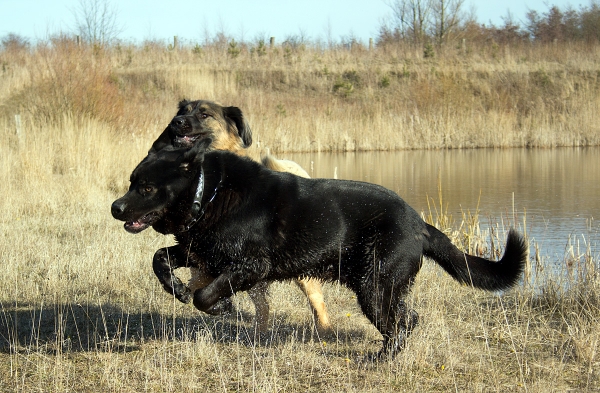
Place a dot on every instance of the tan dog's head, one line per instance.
(201, 119)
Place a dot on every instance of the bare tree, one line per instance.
(96, 21)
(447, 16)
(411, 18)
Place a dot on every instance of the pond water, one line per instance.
(556, 191)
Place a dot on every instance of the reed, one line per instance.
(314, 99)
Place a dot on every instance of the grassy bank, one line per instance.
(313, 99)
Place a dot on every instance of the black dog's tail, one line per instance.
(475, 271)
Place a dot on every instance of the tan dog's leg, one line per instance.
(313, 291)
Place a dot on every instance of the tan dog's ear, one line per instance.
(183, 103)
(234, 115)
(185, 107)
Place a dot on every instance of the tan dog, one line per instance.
(229, 131)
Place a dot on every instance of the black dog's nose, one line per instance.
(117, 208)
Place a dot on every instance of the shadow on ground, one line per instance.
(75, 327)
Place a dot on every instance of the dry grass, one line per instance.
(310, 99)
(80, 309)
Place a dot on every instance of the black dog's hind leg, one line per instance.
(381, 302)
(394, 320)
(164, 261)
(400, 326)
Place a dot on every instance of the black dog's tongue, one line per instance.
(135, 226)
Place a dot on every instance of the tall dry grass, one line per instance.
(312, 99)
(80, 309)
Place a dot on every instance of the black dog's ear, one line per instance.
(235, 114)
(203, 145)
(151, 156)
(161, 142)
(194, 157)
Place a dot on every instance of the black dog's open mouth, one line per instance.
(140, 224)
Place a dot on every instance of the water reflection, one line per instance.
(557, 188)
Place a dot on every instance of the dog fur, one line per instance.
(252, 225)
(228, 129)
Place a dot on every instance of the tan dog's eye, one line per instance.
(203, 115)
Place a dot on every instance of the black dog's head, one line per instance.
(200, 119)
(161, 189)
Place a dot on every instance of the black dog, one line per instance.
(252, 225)
(228, 129)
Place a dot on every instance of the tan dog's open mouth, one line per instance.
(185, 141)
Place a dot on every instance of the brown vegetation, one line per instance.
(310, 99)
(80, 309)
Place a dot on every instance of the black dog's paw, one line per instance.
(185, 297)
(395, 344)
(222, 307)
(181, 292)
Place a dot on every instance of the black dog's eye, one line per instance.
(147, 189)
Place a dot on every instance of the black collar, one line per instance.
(197, 211)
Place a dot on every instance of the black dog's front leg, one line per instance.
(165, 260)
(225, 285)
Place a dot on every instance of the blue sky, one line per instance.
(242, 19)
